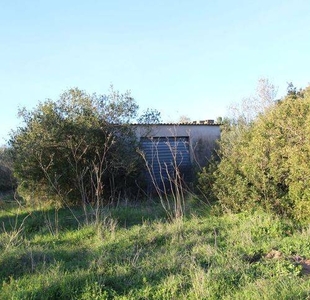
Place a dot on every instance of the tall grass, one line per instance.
(135, 253)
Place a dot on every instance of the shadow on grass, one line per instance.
(49, 220)
(87, 286)
(16, 265)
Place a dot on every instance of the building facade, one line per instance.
(172, 151)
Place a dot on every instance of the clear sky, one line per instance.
(189, 58)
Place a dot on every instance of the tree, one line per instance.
(184, 119)
(149, 117)
(293, 92)
(79, 149)
(268, 164)
(250, 107)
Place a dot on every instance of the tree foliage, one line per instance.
(266, 163)
(79, 148)
(149, 117)
(233, 128)
(249, 108)
(7, 181)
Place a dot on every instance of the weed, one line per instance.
(132, 254)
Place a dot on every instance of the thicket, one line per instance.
(266, 162)
(79, 149)
(7, 181)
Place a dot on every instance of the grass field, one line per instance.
(135, 253)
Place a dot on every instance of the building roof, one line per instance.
(202, 122)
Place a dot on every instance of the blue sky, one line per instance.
(189, 58)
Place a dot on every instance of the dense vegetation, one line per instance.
(7, 181)
(134, 253)
(61, 239)
(79, 149)
(266, 162)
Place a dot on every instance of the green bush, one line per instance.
(7, 181)
(206, 179)
(79, 149)
(267, 162)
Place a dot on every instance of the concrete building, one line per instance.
(171, 149)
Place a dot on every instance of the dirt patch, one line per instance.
(305, 267)
(296, 259)
(274, 254)
(305, 264)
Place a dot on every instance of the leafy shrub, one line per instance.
(267, 162)
(79, 149)
(7, 181)
(206, 179)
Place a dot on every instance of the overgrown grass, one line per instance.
(135, 253)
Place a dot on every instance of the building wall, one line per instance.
(202, 137)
